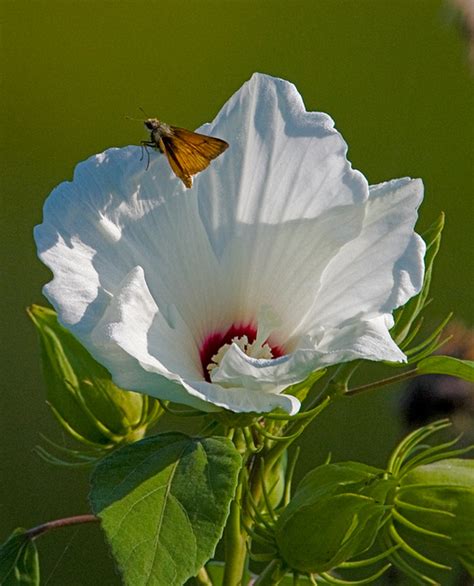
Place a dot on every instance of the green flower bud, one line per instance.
(438, 500)
(335, 515)
(81, 394)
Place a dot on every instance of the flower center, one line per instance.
(215, 346)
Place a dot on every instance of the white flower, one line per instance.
(279, 261)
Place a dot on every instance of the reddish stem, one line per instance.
(57, 523)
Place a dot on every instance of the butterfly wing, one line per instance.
(189, 152)
(209, 147)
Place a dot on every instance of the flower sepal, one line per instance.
(302, 389)
(437, 502)
(229, 419)
(408, 318)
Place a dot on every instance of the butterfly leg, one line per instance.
(144, 144)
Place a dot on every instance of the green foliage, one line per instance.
(19, 564)
(163, 503)
(463, 369)
(81, 394)
(334, 515)
(423, 500)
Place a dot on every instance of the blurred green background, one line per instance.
(393, 74)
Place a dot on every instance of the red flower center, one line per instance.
(214, 341)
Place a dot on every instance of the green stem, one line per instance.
(235, 544)
(383, 382)
(335, 385)
(202, 578)
(273, 574)
(293, 431)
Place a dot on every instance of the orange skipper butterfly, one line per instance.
(187, 152)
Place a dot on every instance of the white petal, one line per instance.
(382, 268)
(241, 400)
(83, 219)
(366, 339)
(123, 337)
(374, 273)
(113, 216)
(131, 328)
(283, 163)
(281, 266)
(239, 369)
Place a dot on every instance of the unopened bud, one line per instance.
(335, 515)
(438, 502)
(80, 391)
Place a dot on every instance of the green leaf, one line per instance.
(447, 365)
(163, 503)
(19, 564)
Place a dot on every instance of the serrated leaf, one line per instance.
(19, 564)
(447, 365)
(163, 503)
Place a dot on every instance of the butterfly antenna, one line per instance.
(143, 112)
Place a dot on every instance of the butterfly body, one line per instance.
(187, 152)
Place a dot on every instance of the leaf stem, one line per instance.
(383, 382)
(58, 523)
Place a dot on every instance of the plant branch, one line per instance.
(383, 382)
(58, 523)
